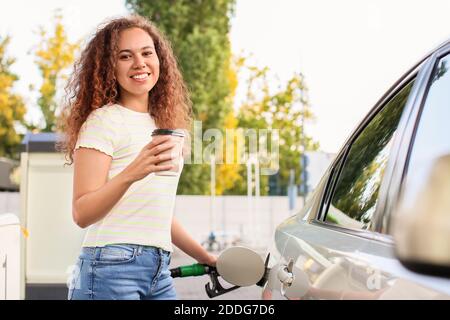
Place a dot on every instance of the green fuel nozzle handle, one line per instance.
(196, 269)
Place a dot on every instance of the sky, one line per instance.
(350, 52)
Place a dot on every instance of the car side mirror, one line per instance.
(421, 229)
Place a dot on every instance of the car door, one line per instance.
(423, 185)
(338, 246)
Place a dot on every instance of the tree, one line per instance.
(198, 31)
(12, 108)
(228, 174)
(54, 54)
(285, 111)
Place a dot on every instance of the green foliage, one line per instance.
(198, 31)
(54, 54)
(285, 110)
(228, 174)
(12, 108)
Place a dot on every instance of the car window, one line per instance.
(432, 138)
(355, 194)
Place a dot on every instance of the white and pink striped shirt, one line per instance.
(144, 213)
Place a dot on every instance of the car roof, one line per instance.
(405, 74)
(383, 97)
(442, 45)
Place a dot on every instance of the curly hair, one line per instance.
(93, 84)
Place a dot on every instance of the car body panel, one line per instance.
(344, 266)
(352, 263)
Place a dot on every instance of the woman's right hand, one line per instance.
(147, 160)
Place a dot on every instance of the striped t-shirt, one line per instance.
(144, 213)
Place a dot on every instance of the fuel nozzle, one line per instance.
(239, 266)
(193, 270)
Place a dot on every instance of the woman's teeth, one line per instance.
(140, 76)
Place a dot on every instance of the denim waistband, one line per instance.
(93, 252)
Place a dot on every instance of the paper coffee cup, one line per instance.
(176, 151)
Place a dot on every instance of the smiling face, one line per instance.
(137, 68)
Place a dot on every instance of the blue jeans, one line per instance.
(122, 271)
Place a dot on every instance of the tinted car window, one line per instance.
(432, 139)
(356, 192)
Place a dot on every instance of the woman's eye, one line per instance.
(124, 57)
(147, 53)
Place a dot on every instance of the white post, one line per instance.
(213, 193)
(256, 209)
(224, 222)
(250, 197)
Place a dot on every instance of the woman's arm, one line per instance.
(188, 245)
(94, 195)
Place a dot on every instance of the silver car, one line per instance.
(377, 226)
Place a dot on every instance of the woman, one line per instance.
(126, 84)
